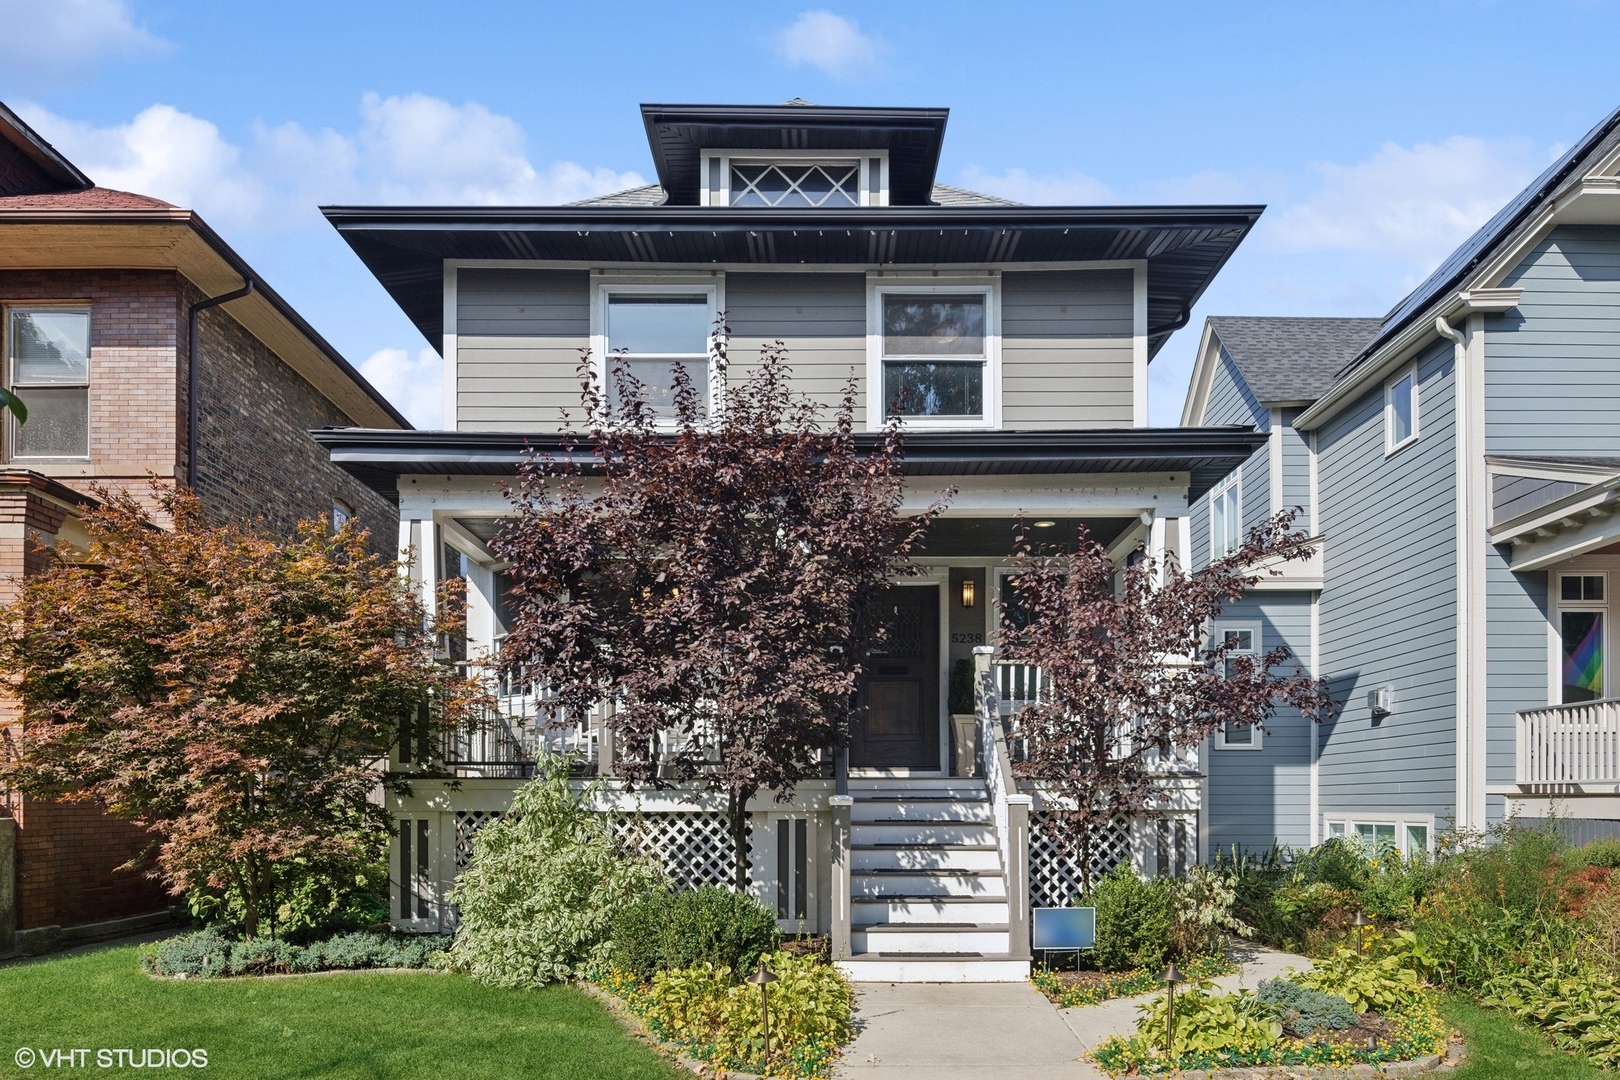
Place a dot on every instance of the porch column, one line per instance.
(1018, 939)
(842, 812)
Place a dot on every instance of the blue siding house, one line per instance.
(1458, 461)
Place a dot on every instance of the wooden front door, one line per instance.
(899, 724)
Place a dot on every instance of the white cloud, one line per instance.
(414, 384)
(829, 42)
(406, 149)
(1413, 204)
(61, 40)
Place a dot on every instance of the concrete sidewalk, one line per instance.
(1003, 1030)
(954, 1031)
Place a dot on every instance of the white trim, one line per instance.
(1556, 607)
(1218, 628)
(880, 285)
(1139, 347)
(908, 269)
(1390, 445)
(712, 285)
(1274, 448)
(1469, 390)
(1203, 374)
(1316, 736)
(8, 423)
(1312, 458)
(1234, 484)
(866, 194)
(1348, 820)
(447, 348)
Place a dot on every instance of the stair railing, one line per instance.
(1010, 807)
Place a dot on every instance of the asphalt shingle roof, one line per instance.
(1291, 359)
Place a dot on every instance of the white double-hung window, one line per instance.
(1401, 410)
(1241, 641)
(1226, 517)
(934, 354)
(48, 365)
(647, 329)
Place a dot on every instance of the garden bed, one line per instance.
(1076, 989)
(209, 954)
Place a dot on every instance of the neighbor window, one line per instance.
(936, 347)
(648, 333)
(50, 370)
(341, 513)
(1582, 624)
(1384, 833)
(1225, 519)
(1400, 410)
(1240, 641)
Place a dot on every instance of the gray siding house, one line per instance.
(1458, 461)
(1027, 390)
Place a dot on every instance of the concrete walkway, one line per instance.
(1008, 1031)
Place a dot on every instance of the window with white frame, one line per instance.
(48, 365)
(1242, 643)
(794, 180)
(1401, 410)
(936, 353)
(646, 330)
(1226, 517)
(1408, 836)
(1583, 618)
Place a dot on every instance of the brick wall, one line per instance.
(256, 462)
(256, 458)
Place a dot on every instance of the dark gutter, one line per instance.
(735, 219)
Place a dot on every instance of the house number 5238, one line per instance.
(967, 639)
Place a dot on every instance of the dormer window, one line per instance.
(795, 181)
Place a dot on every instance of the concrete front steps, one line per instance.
(928, 895)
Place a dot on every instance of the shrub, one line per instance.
(312, 902)
(1204, 922)
(1305, 1011)
(1208, 1021)
(706, 1009)
(538, 900)
(208, 953)
(1135, 919)
(1604, 854)
(1379, 984)
(666, 930)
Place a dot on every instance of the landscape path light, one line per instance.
(1170, 976)
(1360, 922)
(763, 979)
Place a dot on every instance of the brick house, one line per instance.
(130, 373)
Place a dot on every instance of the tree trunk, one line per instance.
(737, 817)
(250, 901)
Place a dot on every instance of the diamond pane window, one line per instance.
(796, 185)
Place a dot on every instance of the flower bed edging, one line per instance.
(1434, 1063)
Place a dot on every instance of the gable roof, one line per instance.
(653, 195)
(1291, 359)
(29, 165)
(1492, 235)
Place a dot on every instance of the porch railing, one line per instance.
(1569, 745)
(1011, 808)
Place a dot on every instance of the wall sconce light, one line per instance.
(970, 592)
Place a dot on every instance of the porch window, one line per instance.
(49, 367)
(1226, 519)
(1582, 624)
(1400, 410)
(1242, 642)
(935, 350)
(649, 332)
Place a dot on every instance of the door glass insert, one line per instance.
(1582, 655)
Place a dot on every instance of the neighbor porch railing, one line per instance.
(1011, 807)
(1569, 745)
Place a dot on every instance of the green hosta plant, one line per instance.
(1579, 1007)
(1380, 985)
(1207, 1021)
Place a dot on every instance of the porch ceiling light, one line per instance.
(970, 592)
(1044, 524)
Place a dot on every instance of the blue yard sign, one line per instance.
(1065, 928)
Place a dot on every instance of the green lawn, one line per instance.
(373, 1026)
(1500, 1047)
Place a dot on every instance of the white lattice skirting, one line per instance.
(694, 847)
(1054, 874)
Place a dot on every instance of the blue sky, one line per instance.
(1379, 135)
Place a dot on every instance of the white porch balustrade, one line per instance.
(1569, 745)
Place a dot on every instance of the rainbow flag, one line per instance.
(1584, 665)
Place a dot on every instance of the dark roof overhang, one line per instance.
(679, 133)
(45, 162)
(1205, 454)
(1183, 246)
